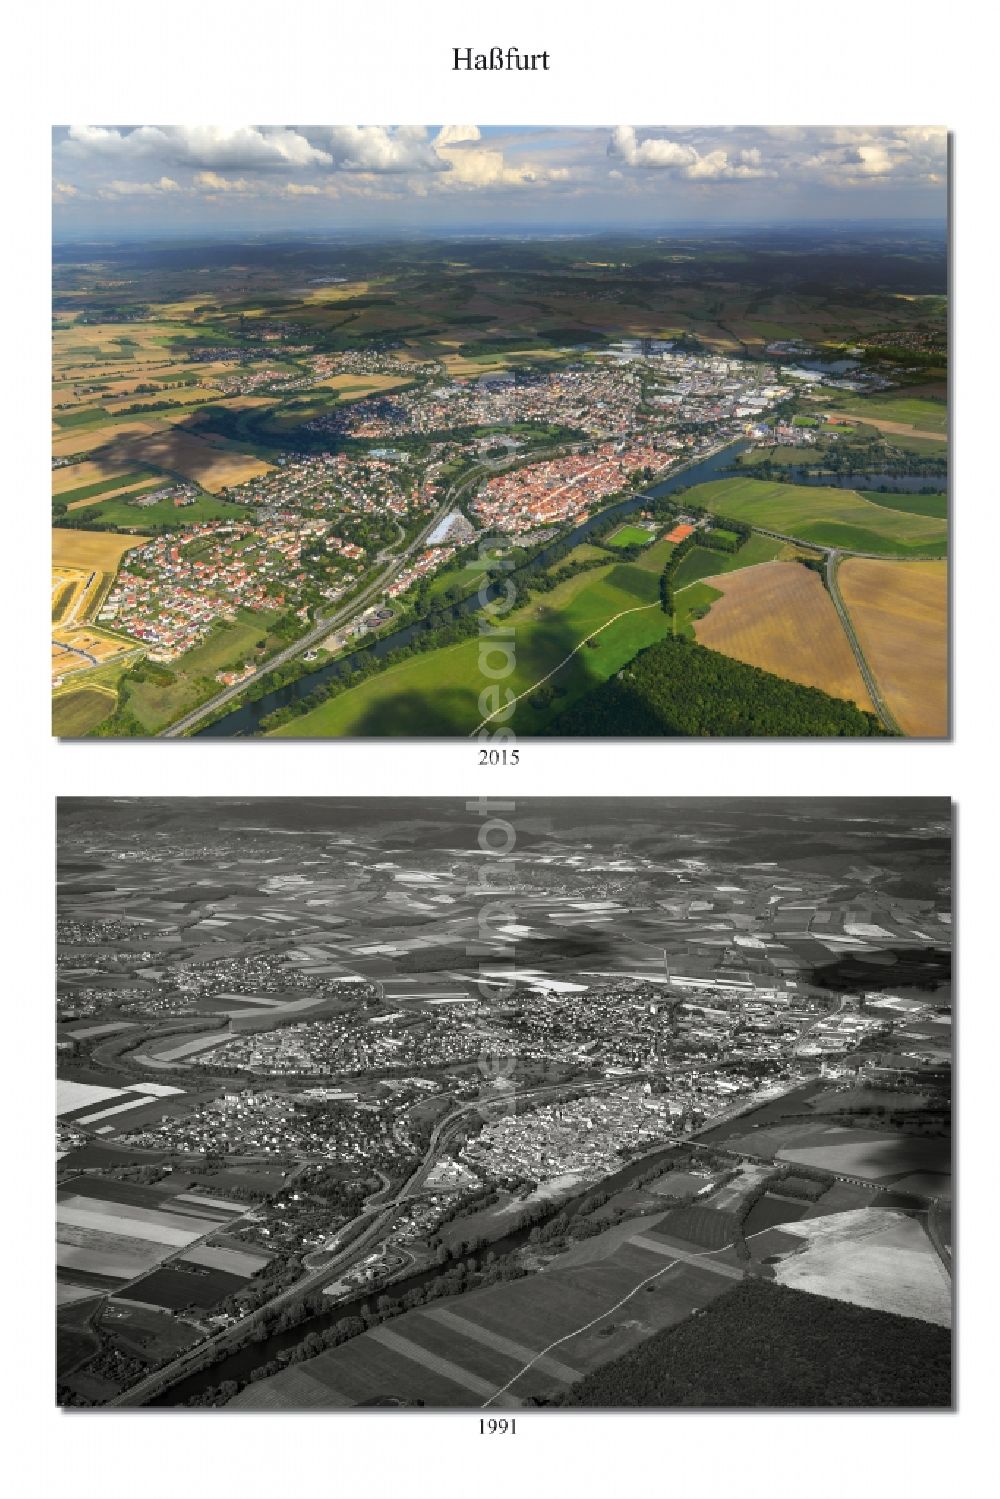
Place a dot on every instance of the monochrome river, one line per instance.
(240, 1365)
(246, 720)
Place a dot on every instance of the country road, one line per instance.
(832, 557)
(868, 676)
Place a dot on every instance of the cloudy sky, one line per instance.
(203, 178)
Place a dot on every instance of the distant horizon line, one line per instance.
(500, 230)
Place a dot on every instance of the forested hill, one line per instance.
(679, 688)
(767, 1346)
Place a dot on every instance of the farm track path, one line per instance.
(542, 680)
(586, 1326)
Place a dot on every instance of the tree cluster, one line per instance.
(678, 688)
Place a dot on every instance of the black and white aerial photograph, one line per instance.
(432, 1103)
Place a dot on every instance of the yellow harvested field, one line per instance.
(874, 1257)
(180, 395)
(123, 383)
(116, 387)
(900, 429)
(900, 613)
(778, 616)
(81, 648)
(458, 365)
(341, 291)
(245, 403)
(70, 589)
(85, 440)
(89, 549)
(77, 476)
(211, 464)
(357, 386)
(80, 342)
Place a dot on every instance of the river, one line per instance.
(246, 720)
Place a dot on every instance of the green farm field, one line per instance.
(75, 713)
(911, 411)
(690, 604)
(438, 692)
(119, 513)
(702, 562)
(827, 516)
(629, 536)
(155, 705)
(910, 504)
(464, 579)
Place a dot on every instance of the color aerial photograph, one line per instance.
(459, 431)
(598, 1103)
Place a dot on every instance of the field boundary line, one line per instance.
(578, 647)
(577, 1330)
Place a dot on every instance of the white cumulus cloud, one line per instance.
(380, 148)
(213, 147)
(119, 188)
(658, 152)
(453, 135)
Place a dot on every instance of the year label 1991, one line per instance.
(496, 1426)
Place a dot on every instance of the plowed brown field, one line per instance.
(779, 616)
(900, 613)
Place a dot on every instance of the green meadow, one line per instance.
(438, 692)
(911, 504)
(825, 515)
(915, 411)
